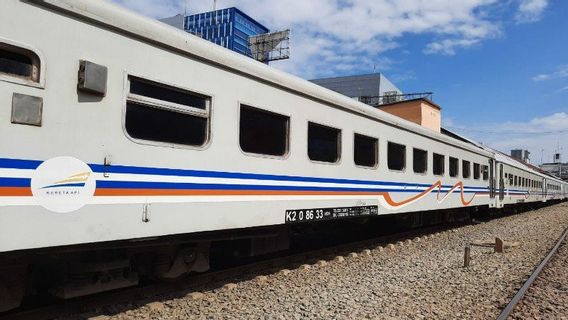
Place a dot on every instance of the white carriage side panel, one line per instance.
(91, 129)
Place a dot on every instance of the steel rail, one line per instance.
(521, 293)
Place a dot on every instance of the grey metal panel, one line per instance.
(176, 21)
(92, 78)
(353, 86)
(27, 109)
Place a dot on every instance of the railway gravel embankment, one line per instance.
(547, 298)
(419, 279)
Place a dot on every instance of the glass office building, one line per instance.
(229, 28)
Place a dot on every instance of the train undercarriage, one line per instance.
(76, 271)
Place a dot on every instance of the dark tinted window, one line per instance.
(19, 62)
(454, 167)
(153, 114)
(396, 156)
(263, 132)
(365, 151)
(438, 164)
(323, 143)
(161, 125)
(420, 160)
(466, 169)
(477, 171)
(159, 91)
(485, 171)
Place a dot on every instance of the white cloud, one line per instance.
(530, 10)
(561, 72)
(153, 8)
(354, 32)
(449, 46)
(535, 135)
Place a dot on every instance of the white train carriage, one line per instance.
(520, 183)
(118, 129)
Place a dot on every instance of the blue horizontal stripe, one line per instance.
(199, 186)
(249, 176)
(19, 164)
(29, 164)
(15, 182)
(65, 185)
(234, 175)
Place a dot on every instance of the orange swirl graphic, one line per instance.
(438, 184)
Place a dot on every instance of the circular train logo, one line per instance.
(63, 184)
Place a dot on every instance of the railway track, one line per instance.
(144, 294)
(510, 308)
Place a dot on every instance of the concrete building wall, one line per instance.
(419, 111)
(367, 85)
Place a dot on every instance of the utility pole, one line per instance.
(214, 5)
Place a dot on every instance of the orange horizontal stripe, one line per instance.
(171, 192)
(15, 192)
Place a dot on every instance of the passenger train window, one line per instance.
(396, 156)
(454, 167)
(438, 164)
(19, 62)
(476, 171)
(263, 132)
(161, 92)
(466, 169)
(485, 171)
(420, 160)
(162, 113)
(365, 150)
(323, 143)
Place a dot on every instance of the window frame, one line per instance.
(485, 172)
(377, 151)
(464, 164)
(339, 143)
(6, 77)
(286, 155)
(425, 172)
(403, 170)
(165, 105)
(443, 164)
(457, 175)
(478, 172)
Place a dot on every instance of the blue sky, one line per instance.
(499, 69)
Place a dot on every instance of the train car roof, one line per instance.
(118, 19)
(502, 157)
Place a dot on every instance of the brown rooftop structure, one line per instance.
(421, 111)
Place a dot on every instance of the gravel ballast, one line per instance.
(423, 279)
(547, 298)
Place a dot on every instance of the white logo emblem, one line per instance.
(63, 184)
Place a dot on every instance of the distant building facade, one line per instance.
(360, 87)
(556, 168)
(521, 155)
(229, 28)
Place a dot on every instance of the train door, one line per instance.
(492, 203)
(544, 190)
(501, 183)
(492, 179)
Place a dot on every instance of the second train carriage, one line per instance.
(119, 131)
